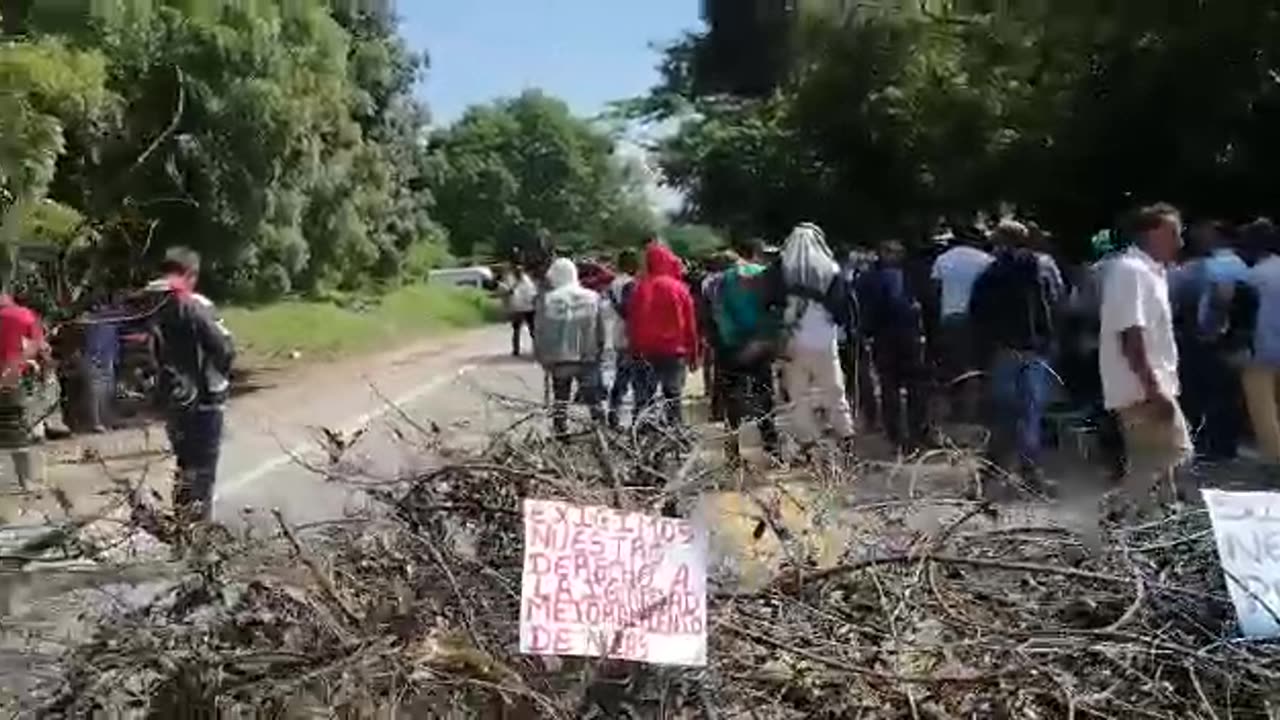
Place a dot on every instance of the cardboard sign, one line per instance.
(1247, 528)
(600, 582)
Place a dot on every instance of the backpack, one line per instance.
(737, 310)
(173, 388)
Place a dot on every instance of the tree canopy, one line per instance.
(882, 119)
(525, 168)
(283, 141)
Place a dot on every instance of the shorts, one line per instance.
(1154, 446)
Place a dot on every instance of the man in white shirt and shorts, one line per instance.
(1138, 357)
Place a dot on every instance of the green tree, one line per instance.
(526, 168)
(882, 121)
(282, 140)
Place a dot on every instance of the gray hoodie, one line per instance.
(569, 327)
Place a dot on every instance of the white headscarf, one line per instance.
(563, 273)
(807, 262)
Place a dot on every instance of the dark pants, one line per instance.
(1021, 384)
(196, 438)
(564, 379)
(959, 358)
(900, 365)
(714, 381)
(625, 377)
(859, 381)
(518, 321)
(667, 374)
(748, 395)
(100, 394)
(1212, 399)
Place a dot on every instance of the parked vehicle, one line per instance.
(478, 277)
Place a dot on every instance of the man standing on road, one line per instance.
(24, 365)
(569, 342)
(663, 331)
(818, 307)
(1013, 308)
(1261, 376)
(100, 358)
(616, 297)
(892, 320)
(1138, 357)
(744, 344)
(954, 273)
(521, 294)
(193, 354)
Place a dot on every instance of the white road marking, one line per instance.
(231, 485)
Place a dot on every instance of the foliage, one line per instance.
(694, 242)
(883, 122)
(280, 139)
(525, 169)
(347, 325)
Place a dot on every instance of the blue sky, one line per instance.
(587, 52)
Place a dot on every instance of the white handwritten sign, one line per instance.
(600, 582)
(1247, 528)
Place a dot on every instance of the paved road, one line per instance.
(468, 386)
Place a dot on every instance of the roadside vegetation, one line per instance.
(343, 326)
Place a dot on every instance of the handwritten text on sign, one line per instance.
(1247, 528)
(605, 583)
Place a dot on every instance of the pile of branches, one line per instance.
(416, 609)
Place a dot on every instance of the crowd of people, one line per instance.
(1165, 350)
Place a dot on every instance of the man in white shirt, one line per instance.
(521, 296)
(1138, 357)
(954, 273)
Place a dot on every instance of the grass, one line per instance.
(326, 330)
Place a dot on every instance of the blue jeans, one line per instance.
(1021, 383)
(624, 381)
(564, 377)
(667, 373)
(196, 438)
(100, 397)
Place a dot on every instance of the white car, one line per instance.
(478, 277)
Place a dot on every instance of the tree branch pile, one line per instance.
(416, 608)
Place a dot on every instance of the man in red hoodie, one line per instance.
(663, 330)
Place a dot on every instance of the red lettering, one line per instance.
(628, 525)
(681, 581)
(539, 639)
(668, 530)
(564, 566)
(691, 604)
(563, 641)
(537, 607)
(686, 533)
(539, 563)
(593, 611)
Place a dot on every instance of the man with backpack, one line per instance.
(193, 354)
(745, 342)
(1013, 308)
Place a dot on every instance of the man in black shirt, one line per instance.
(193, 354)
